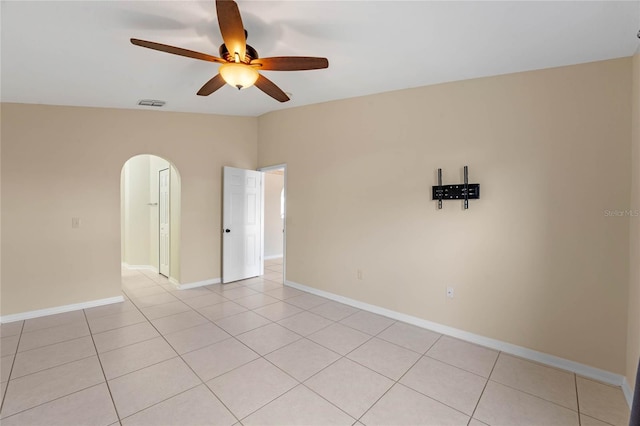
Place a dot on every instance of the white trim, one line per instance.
(628, 393)
(263, 185)
(277, 256)
(60, 309)
(140, 267)
(175, 282)
(275, 167)
(551, 360)
(194, 284)
(282, 166)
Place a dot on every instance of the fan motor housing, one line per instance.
(250, 54)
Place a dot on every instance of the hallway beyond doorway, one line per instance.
(273, 270)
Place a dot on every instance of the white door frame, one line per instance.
(284, 219)
(168, 206)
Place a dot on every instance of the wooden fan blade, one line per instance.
(176, 50)
(290, 63)
(231, 27)
(269, 87)
(211, 86)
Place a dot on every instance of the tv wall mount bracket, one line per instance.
(465, 191)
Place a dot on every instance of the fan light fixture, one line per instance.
(240, 63)
(239, 75)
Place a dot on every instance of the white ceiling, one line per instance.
(78, 52)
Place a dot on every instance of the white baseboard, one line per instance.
(59, 309)
(140, 267)
(277, 256)
(194, 284)
(543, 358)
(175, 282)
(628, 393)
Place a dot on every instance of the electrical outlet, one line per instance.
(450, 292)
(75, 222)
(360, 274)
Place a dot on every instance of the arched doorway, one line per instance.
(150, 216)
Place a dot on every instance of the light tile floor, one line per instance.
(258, 353)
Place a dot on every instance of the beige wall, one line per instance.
(633, 332)
(137, 243)
(534, 262)
(273, 236)
(64, 162)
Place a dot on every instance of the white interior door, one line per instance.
(163, 204)
(241, 224)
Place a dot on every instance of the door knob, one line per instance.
(227, 230)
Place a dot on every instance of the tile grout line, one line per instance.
(160, 402)
(142, 368)
(54, 366)
(102, 369)
(127, 287)
(279, 319)
(293, 331)
(264, 292)
(129, 344)
(575, 382)
(458, 367)
(485, 386)
(535, 396)
(202, 382)
(13, 363)
(601, 421)
(372, 335)
(197, 311)
(320, 344)
(62, 396)
(487, 379)
(300, 383)
(213, 323)
(55, 343)
(160, 334)
(133, 307)
(270, 401)
(397, 382)
(265, 358)
(403, 374)
(186, 328)
(338, 359)
(191, 309)
(111, 329)
(52, 400)
(275, 322)
(140, 308)
(417, 361)
(26, 332)
(430, 397)
(52, 344)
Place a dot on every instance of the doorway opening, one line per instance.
(150, 217)
(274, 215)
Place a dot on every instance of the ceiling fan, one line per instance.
(240, 62)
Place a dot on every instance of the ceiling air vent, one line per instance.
(151, 103)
